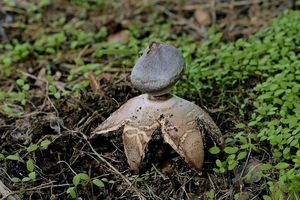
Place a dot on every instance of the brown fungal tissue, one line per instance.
(154, 73)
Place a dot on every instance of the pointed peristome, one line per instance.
(135, 141)
(177, 119)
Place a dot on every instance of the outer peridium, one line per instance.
(177, 119)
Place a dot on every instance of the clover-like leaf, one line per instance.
(98, 183)
(231, 150)
(13, 157)
(76, 180)
(15, 179)
(30, 165)
(45, 143)
(214, 150)
(32, 175)
(72, 192)
(32, 148)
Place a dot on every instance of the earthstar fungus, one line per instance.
(183, 124)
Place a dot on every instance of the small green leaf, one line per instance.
(265, 167)
(32, 148)
(30, 165)
(240, 125)
(266, 197)
(294, 143)
(26, 179)
(219, 163)
(282, 165)
(13, 157)
(52, 89)
(232, 165)
(104, 180)
(242, 155)
(20, 82)
(231, 150)
(76, 180)
(252, 123)
(214, 150)
(45, 143)
(278, 92)
(32, 175)
(2, 95)
(2, 157)
(26, 87)
(222, 170)
(252, 136)
(216, 170)
(286, 151)
(84, 176)
(71, 191)
(98, 183)
(99, 53)
(57, 95)
(15, 180)
(211, 194)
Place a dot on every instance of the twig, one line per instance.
(40, 187)
(62, 161)
(140, 196)
(93, 82)
(3, 34)
(31, 76)
(247, 160)
(161, 174)
(211, 182)
(224, 5)
(199, 29)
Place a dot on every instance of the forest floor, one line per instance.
(63, 76)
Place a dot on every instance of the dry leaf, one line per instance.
(202, 17)
(41, 78)
(245, 195)
(167, 167)
(118, 37)
(253, 169)
(93, 82)
(192, 196)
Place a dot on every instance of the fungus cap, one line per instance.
(158, 69)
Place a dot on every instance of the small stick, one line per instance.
(224, 5)
(93, 82)
(115, 170)
(200, 30)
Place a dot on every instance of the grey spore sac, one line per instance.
(158, 69)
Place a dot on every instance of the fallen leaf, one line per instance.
(245, 195)
(118, 37)
(167, 167)
(253, 169)
(41, 78)
(216, 110)
(192, 196)
(60, 85)
(93, 82)
(202, 16)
